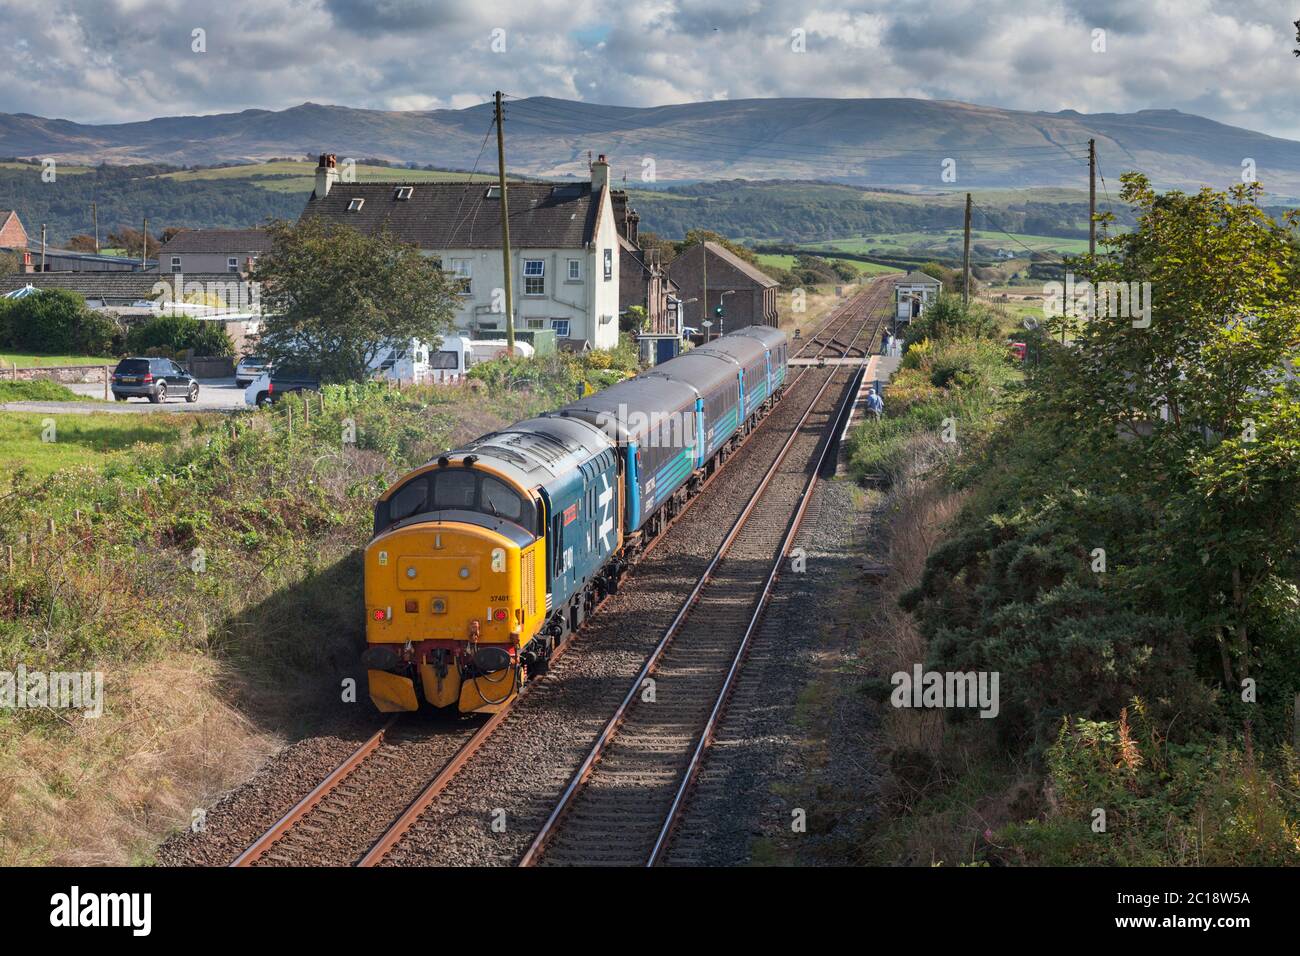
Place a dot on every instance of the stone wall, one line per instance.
(64, 374)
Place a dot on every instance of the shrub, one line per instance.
(55, 321)
(1166, 804)
(173, 334)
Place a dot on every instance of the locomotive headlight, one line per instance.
(410, 572)
(439, 606)
(464, 572)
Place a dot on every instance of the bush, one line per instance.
(1166, 804)
(55, 321)
(173, 334)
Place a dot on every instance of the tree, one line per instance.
(133, 241)
(657, 249)
(1191, 392)
(698, 237)
(336, 299)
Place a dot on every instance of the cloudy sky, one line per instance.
(122, 60)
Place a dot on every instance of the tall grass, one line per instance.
(215, 582)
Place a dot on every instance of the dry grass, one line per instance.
(919, 510)
(818, 302)
(100, 792)
(207, 675)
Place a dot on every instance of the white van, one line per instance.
(459, 354)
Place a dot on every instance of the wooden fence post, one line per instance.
(107, 374)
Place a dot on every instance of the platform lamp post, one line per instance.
(721, 311)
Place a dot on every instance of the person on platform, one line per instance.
(875, 404)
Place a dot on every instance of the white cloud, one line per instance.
(121, 60)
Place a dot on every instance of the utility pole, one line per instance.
(94, 216)
(144, 244)
(704, 309)
(1092, 197)
(42, 247)
(965, 259)
(505, 228)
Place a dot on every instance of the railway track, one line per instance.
(399, 772)
(622, 805)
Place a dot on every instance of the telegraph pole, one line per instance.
(94, 216)
(704, 309)
(144, 245)
(965, 259)
(1092, 197)
(505, 229)
(42, 247)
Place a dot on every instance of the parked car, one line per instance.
(249, 368)
(270, 386)
(156, 379)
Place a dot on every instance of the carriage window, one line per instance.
(454, 489)
(500, 499)
(410, 500)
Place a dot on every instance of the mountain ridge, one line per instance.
(890, 141)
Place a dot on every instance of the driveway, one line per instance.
(215, 395)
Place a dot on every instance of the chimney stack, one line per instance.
(599, 173)
(633, 227)
(327, 174)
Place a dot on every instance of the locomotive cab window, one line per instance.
(458, 489)
(454, 489)
(409, 501)
(498, 498)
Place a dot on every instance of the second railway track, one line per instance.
(620, 808)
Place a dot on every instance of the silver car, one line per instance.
(250, 367)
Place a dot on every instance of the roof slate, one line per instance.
(459, 215)
(216, 242)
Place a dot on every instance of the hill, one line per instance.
(884, 142)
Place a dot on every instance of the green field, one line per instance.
(62, 169)
(31, 360)
(80, 439)
(949, 241)
(774, 261)
(289, 176)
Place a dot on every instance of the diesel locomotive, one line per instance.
(483, 560)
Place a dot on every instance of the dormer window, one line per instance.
(493, 192)
(403, 192)
(354, 205)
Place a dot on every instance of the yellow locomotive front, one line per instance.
(454, 587)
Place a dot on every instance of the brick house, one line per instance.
(747, 295)
(13, 237)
